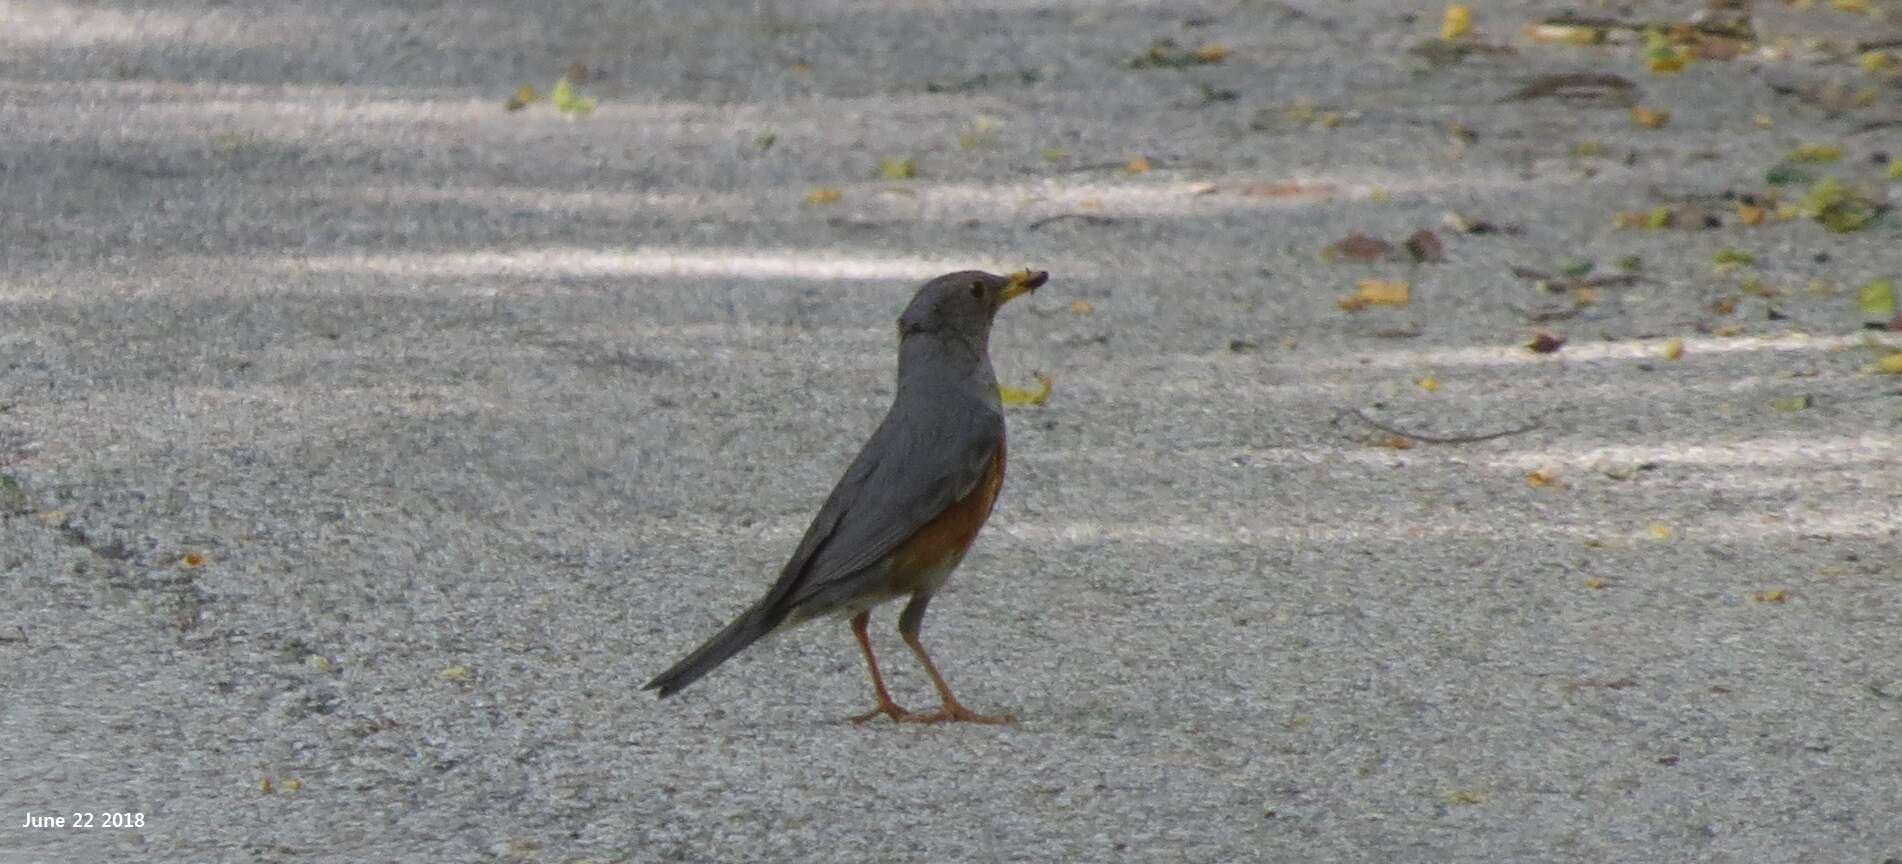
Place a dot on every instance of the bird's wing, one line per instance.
(909, 472)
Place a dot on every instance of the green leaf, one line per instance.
(1876, 299)
(567, 101)
(1575, 267)
(1798, 402)
(1733, 256)
(894, 168)
(1785, 174)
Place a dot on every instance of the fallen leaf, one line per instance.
(1659, 531)
(1357, 247)
(1891, 364)
(1750, 214)
(1838, 207)
(896, 168)
(567, 101)
(1785, 174)
(522, 98)
(1082, 307)
(1791, 404)
(1054, 154)
(1661, 56)
(1428, 383)
(1772, 595)
(1425, 247)
(1673, 349)
(1814, 153)
(1594, 583)
(1377, 292)
(1733, 256)
(1463, 796)
(1212, 52)
(1166, 54)
(1875, 61)
(1457, 22)
(1021, 396)
(192, 559)
(824, 195)
(1876, 298)
(456, 673)
(1138, 165)
(1392, 441)
(1575, 85)
(1650, 118)
(1567, 34)
(1545, 343)
(1542, 479)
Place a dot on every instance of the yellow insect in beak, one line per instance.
(1022, 282)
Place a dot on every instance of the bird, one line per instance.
(911, 503)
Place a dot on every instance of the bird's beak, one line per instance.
(1022, 282)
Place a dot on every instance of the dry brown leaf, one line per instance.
(1545, 343)
(1425, 247)
(1358, 247)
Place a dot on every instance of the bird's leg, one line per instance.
(949, 709)
(885, 704)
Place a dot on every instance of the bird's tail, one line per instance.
(752, 624)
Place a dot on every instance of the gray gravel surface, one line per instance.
(471, 420)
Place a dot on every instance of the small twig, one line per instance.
(1431, 439)
(1085, 218)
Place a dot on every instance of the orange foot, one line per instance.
(885, 707)
(952, 712)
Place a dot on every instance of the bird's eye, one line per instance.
(977, 290)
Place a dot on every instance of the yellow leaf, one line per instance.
(1541, 479)
(1895, 170)
(894, 168)
(318, 663)
(1082, 307)
(1765, 121)
(1674, 349)
(1138, 165)
(1570, 34)
(1457, 22)
(192, 559)
(1890, 365)
(1594, 583)
(1392, 442)
(1377, 292)
(1212, 52)
(293, 784)
(824, 195)
(1429, 383)
(1750, 214)
(1773, 595)
(1649, 118)
(524, 96)
(1022, 396)
(1463, 796)
(1859, 6)
(1660, 531)
(1379, 195)
(1815, 153)
(1875, 61)
(456, 673)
